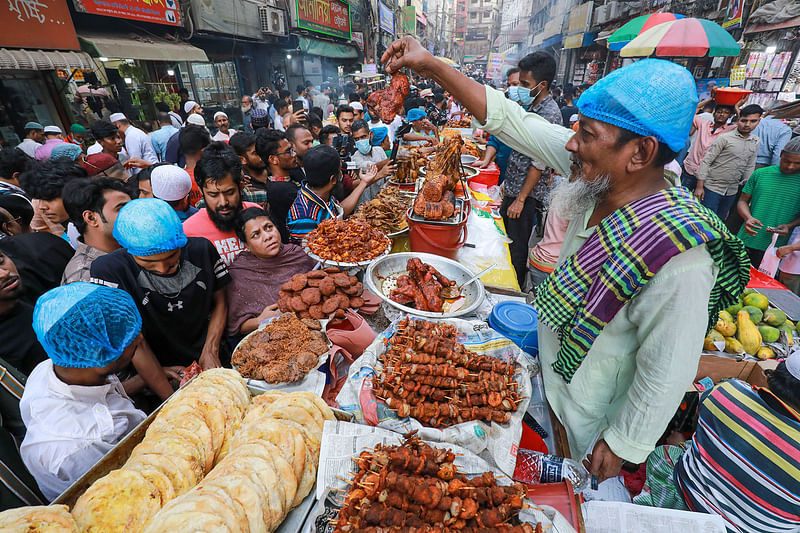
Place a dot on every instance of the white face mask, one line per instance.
(246, 108)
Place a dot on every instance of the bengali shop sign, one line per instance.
(43, 24)
(331, 17)
(156, 11)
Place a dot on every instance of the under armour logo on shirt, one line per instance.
(172, 307)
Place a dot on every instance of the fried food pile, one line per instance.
(416, 488)
(36, 518)
(389, 101)
(463, 122)
(429, 375)
(283, 352)
(387, 211)
(270, 469)
(421, 287)
(436, 200)
(407, 170)
(448, 158)
(470, 148)
(321, 293)
(347, 241)
(191, 434)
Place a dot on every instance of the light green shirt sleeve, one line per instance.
(527, 133)
(671, 320)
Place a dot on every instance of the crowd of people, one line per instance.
(127, 256)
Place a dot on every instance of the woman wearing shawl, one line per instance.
(259, 271)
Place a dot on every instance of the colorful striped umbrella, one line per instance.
(636, 26)
(686, 37)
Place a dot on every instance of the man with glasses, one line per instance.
(281, 159)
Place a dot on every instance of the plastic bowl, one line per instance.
(729, 95)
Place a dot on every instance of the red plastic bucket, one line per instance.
(488, 177)
(439, 239)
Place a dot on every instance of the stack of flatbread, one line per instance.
(270, 468)
(191, 433)
(49, 518)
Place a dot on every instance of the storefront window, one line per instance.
(23, 98)
(216, 84)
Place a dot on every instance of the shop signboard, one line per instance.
(385, 18)
(573, 41)
(41, 24)
(733, 14)
(156, 11)
(331, 17)
(369, 68)
(580, 18)
(494, 67)
(358, 38)
(409, 20)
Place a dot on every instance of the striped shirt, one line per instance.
(307, 211)
(775, 201)
(744, 462)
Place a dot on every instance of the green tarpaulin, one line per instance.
(318, 47)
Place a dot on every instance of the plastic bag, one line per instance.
(770, 262)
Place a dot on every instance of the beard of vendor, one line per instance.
(223, 202)
(574, 197)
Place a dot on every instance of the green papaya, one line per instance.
(735, 308)
(791, 324)
(747, 291)
(756, 300)
(726, 316)
(789, 332)
(755, 313)
(733, 346)
(774, 317)
(769, 334)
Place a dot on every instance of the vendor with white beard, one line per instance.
(644, 268)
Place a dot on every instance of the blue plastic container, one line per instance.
(518, 322)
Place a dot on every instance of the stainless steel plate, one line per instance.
(470, 172)
(381, 277)
(341, 264)
(467, 159)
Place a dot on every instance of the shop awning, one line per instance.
(43, 60)
(518, 33)
(144, 48)
(318, 47)
(788, 23)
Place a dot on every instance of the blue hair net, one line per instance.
(148, 226)
(83, 325)
(652, 97)
(66, 150)
(415, 114)
(379, 134)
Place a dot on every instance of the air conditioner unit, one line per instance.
(272, 20)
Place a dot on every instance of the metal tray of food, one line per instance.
(344, 265)
(119, 454)
(381, 278)
(469, 172)
(459, 215)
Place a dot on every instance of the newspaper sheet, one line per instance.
(341, 441)
(616, 517)
(496, 442)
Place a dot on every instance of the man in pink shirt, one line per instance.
(219, 176)
(53, 137)
(707, 131)
(544, 256)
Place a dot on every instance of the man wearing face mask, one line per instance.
(496, 150)
(366, 155)
(524, 174)
(247, 107)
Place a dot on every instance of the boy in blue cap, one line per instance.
(74, 406)
(423, 131)
(177, 283)
(644, 268)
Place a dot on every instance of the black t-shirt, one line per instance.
(18, 343)
(566, 112)
(280, 196)
(176, 308)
